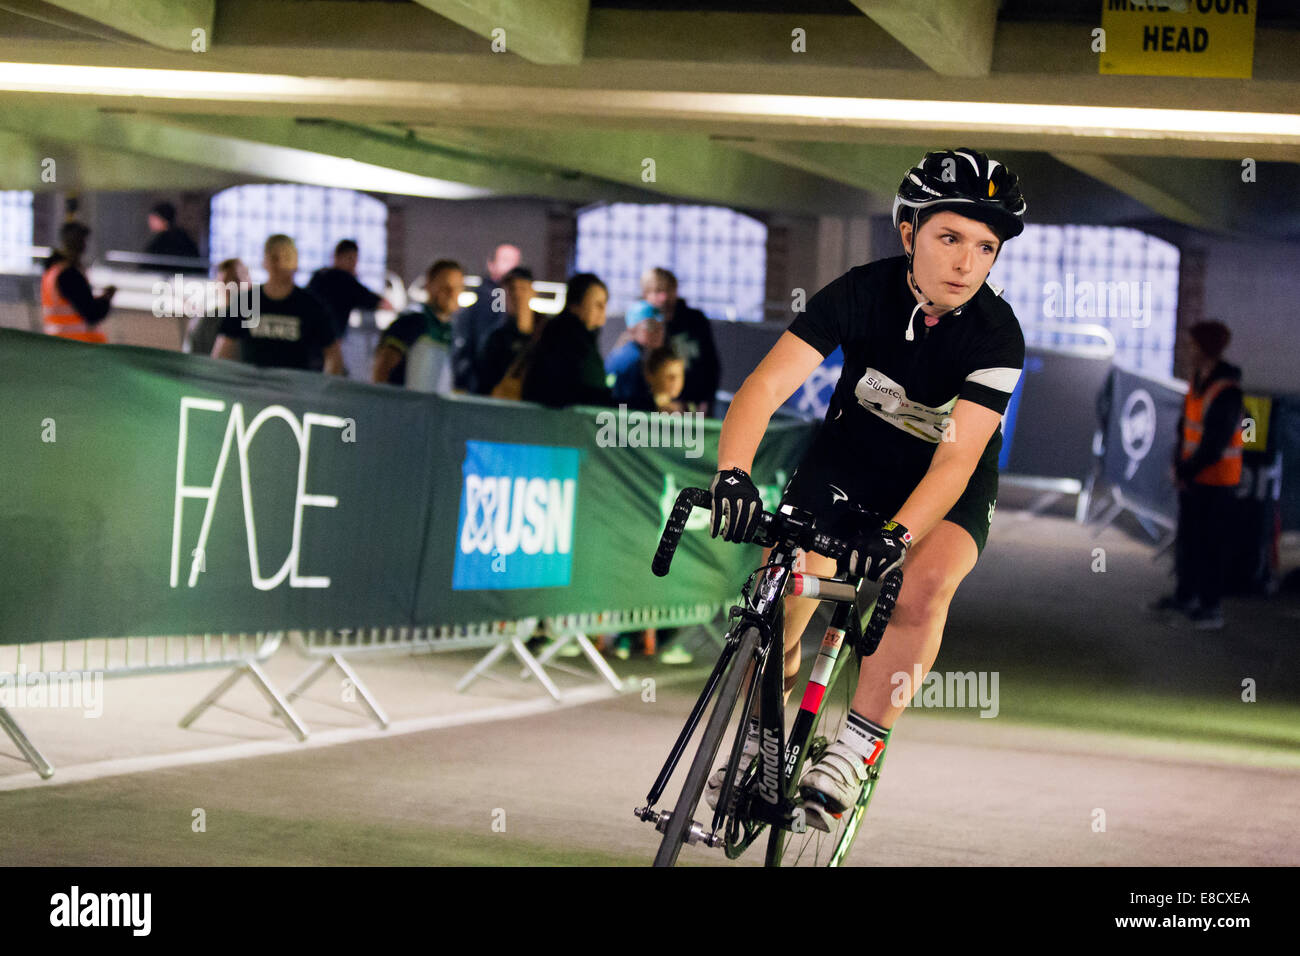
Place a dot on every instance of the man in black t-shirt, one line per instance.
(472, 326)
(339, 289)
(931, 357)
(169, 239)
(508, 342)
(290, 328)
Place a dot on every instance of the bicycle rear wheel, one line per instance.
(683, 814)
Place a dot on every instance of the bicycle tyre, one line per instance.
(684, 812)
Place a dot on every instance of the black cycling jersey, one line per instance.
(902, 376)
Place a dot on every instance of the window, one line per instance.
(16, 230)
(718, 255)
(1124, 280)
(313, 216)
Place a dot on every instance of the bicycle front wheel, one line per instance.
(683, 814)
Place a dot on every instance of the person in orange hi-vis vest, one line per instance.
(69, 308)
(1206, 471)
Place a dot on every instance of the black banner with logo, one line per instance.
(1141, 438)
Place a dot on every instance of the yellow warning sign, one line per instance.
(1179, 37)
(1256, 410)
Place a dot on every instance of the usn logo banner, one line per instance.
(517, 510)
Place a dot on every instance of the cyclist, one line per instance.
(931, 357)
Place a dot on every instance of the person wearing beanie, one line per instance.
(1206, 471)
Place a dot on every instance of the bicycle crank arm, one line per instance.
(788, 816)
(696, 834)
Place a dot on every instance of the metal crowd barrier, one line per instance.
(141, 656)
(330, 645)
(567, 628)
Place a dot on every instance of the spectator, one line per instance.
(471, 328)
(566, 368)
(664, 372)
(415, 350)
(688, 332)
(232, 278)
(169, 239)
(70, 308)
(507, 344)
(340, 291)
(665, 375)
(645, 333)
(289, 328)
(1206, 471)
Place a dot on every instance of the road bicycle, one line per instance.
(767, 796)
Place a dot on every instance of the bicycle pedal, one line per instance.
(817, 817)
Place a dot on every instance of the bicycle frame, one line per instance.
(769, 802)
(755, 801)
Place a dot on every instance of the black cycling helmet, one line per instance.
(967, 182)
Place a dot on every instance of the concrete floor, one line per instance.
(1104, 712)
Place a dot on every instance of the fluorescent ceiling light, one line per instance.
(1091, 121)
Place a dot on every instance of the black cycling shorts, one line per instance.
(828, 488)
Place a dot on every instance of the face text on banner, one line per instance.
(240, 437)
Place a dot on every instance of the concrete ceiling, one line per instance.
(624, 99)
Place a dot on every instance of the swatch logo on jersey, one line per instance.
(517, 509)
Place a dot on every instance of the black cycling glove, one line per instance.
(873, 554)
(736, 504)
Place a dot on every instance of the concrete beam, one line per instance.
(541, 31)
(169, 24)
(24, 160)
(1046, 127)
(1159, 193)
(952, 37)
(877, 169)
(400, 150)
(1035, 63)
(300, 151)
(1252, 200)
(220, 150)
(683, 167)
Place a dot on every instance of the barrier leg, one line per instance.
(584, 644)
(522, 652)
(480, 669)
(306, 680)
(317, 670)
(1041, 504)
(548, 652)
(260, 681)
(25, 746)
(1084, 500)
(1105, 520)
(598, 661)
(367, 699)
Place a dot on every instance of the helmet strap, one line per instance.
(911, 253)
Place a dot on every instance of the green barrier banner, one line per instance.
(149, 492)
